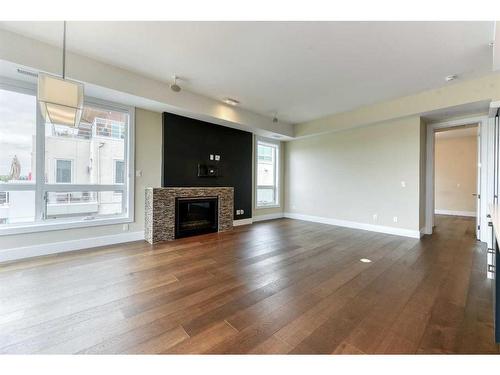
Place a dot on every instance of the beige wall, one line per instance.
(147, 158)
(456, 173)
(353, 174)
(423, 169)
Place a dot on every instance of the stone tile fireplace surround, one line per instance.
(160, 209)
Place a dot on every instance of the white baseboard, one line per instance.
(237, 223)
(277, 215)
(71, 245)
(455, 213)
(355, 225)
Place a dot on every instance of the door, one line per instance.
(478, 184)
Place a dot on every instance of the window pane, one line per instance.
(265, 153)
(17, 137)
(83, 204)
(17, 207)
(119, 172)
(266, 174)
(265, 196)
(266, 166)
(93, 146)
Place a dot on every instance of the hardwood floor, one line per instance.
(282, 286)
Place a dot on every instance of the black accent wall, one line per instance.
(188, 142)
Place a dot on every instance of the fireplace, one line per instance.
(196, 215)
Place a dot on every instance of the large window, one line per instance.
(54, 176)
(267, 190)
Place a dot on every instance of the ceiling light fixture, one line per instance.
(365, 260)
(61, 100)
(451, 77)
(231, 101)
(174, 86)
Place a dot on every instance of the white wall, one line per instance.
(353, 174)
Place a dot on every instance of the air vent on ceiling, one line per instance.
(27, 73)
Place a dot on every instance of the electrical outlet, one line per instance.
(217, 157)
(138, 173)
(375, 217)
(125, 227)
(403, 184)
(242, 212)
(395, 219)
(211, 157)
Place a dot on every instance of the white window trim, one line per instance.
(273, 143)
(55, 171)
(127, 188)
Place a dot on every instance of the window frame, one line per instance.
(276, 187)
(40, 187)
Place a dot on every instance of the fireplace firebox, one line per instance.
(196, 216)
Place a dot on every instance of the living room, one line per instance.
(249, 187)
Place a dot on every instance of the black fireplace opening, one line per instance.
(196, 216)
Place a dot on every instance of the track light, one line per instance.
(174, 86)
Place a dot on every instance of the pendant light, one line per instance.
(61, 100)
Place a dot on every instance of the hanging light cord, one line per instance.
(64, 52)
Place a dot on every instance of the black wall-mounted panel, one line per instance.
(188, 143)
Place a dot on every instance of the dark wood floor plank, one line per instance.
(281, 286)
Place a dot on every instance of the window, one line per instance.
(63, 171)
(267, 191)
(54, 176)
(119, 172)
(17, 132)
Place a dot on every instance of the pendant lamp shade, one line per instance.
(61, 100)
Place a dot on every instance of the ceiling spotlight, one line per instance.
(365, 260)
(231, 101)
(451, 77)
(174, 86)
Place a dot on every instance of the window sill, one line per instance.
(270, 206)
(61, 225)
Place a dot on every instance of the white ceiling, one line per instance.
(301, 70)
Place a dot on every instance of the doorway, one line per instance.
(456, 181)
(456, 175)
